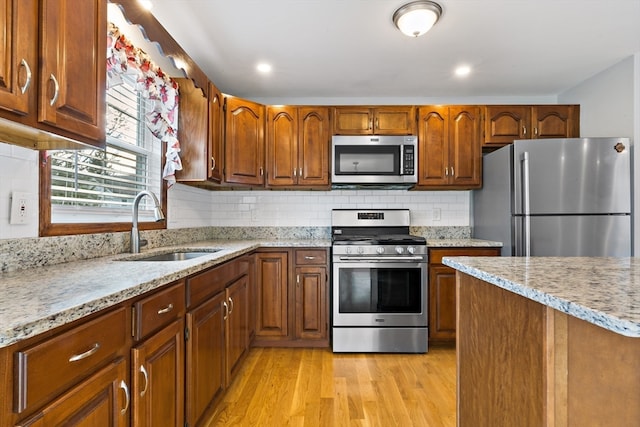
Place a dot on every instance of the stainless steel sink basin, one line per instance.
(174, 256)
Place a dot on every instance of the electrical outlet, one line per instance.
(437, 214)
(20, 208)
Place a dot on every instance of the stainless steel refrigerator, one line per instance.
(557, 197)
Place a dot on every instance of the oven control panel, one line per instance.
(395, 250)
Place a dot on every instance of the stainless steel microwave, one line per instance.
(374, 159)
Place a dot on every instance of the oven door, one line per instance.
(380, 294)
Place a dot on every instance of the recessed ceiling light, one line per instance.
(463, 71)
(146, 4)
(263, 67)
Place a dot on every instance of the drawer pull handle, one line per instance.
(124, 387)
(166, 309)
(309, 257)
(86, 354)
(146, 380)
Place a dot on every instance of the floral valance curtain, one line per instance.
(162, 90)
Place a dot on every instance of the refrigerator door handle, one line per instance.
(526, 211)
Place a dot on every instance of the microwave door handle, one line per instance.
(401, 159)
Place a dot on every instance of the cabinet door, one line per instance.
(216, 134)
(18, 54)
(244, 142)
(394, 121)
(272, 305)
(352, 121)
(433, 151)
(442, 303)
(282, 146)
(100, 400)
(73, 76)
(313, 146)
(465, 150)
(311, 288)
(157, 375)
(193, 132)
(553, 121)
(506, 123)
(237, 324)
(205, 367)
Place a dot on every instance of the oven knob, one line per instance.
(411, 250)
(380, 249)
(360, 249)
(348, 249)
(399, 249)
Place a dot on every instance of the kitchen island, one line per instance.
(548, 341)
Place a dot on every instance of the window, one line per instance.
(100, 185)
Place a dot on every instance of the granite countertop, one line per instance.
(35, 300)
(462, 243)
(602, 291)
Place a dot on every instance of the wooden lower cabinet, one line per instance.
(292, 298)
(157, 376)
(102, 400)
(442, 291)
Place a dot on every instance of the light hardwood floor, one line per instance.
(315, 387)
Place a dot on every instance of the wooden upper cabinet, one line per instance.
(18, 54)
(314, 136)
(555, 121)
(400, 120)
(244, 142)
(298, 146)
(193, 130)
(450, 154)
(506, 123)
(73, 72)
(216, 134)
(282, 146)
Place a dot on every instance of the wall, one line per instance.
(610, 106)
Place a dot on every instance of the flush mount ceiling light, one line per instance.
(416, 18)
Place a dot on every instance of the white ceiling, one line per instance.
(351, 49)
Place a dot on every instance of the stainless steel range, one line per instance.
(379, 290)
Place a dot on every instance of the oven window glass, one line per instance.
(380, 290)
(367, 160)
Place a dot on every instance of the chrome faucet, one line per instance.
(157, 214)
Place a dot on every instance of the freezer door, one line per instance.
(592, 235)
(573, 176)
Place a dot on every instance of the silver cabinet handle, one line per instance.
(226, 310)
(27, 83)
(56, 91)
(230, 305)
(446, 171)
(166, 309)
(535, 131)
(452, 174)
(309, 257)
(86, 354)
(300, 172)
(524, 130)
(124, 387)
(213, 163)
(143, 371)
(294, 172)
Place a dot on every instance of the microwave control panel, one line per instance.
(408, 159)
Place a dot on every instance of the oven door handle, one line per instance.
(389, 258)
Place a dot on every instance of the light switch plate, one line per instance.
(437, 214)
(20, 208)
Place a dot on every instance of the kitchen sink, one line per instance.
(173, 256)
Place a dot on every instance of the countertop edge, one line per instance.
(588, 314)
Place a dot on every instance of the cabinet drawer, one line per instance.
(436, 255)
(311, 256)
(44, 370)
(158, 310)
(210, 282)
